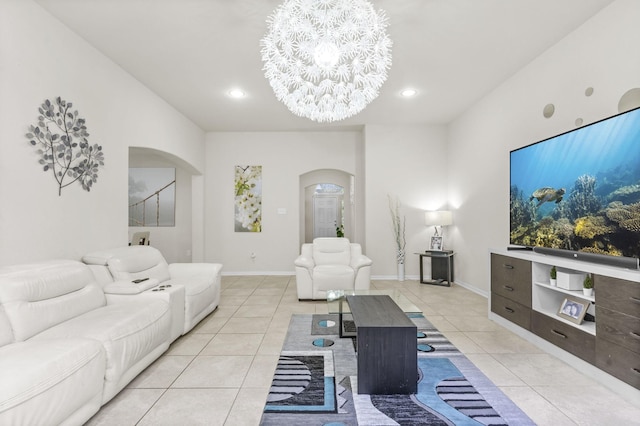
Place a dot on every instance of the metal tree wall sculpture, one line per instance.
(61, 138)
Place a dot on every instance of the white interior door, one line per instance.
(325, 215)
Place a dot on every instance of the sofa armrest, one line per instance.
(127, 287)
(304, 262)
(358, 262)
(185, 270)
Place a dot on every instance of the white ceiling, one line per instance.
(192, 52)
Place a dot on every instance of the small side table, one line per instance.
(441, 267)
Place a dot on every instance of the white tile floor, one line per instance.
(219, 373)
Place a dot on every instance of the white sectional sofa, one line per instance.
(116, 268)
(64, 350)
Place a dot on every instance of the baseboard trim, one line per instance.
(473, 289)
(393, 277)
(272, 273)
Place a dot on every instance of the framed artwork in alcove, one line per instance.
(152, 196)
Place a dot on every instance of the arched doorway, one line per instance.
(184, 241)
(323, 206)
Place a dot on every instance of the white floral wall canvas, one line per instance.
(248, 199)
(152, 196)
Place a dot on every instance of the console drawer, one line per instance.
(513, 311)
(511, 278)
(618, 361)
(565, 336)
(618, 295)
(618, 328)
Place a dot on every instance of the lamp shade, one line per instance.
(438, 218)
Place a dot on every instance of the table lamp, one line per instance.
(437, 219)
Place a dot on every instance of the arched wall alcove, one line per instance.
(308, 182)
(183, 242)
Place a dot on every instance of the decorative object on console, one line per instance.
(436, 243)
(587, 285)
(553, 273)
(61, 138)
(326, 60)
(569, 279)
(573, 309)
(437, 219)
(399, 228)
(248, 201)
(152, 196)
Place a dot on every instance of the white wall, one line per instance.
(41, 59)
(284, 156)
(409, 163)
(603, 54)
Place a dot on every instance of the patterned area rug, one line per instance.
(315, 384)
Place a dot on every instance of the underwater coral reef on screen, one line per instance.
(580, 190)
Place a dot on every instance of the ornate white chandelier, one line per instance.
(326, 59)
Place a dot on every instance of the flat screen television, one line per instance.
(579, 192)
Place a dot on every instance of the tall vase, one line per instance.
(400, 271)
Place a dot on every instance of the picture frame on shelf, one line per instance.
(573, 309)
(436, 243)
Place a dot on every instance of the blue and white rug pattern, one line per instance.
(315, 385)
(303, 382)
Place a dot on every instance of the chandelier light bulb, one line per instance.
(326, 59)
(326, 55)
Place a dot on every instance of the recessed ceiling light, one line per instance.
(407, 93)
(237, 93)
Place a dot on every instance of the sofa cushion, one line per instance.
(129, 263)
(6, 335)
(331, 251)
(43, 381)
(38, 296)
(139, 262)
(128, 331)
(101, 257)
(200, 296)
(333, 277)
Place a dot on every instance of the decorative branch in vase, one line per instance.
(399, 229)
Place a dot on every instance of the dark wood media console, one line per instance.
(387, 346)
(522, 295)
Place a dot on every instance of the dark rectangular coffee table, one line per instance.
(337, 304)
(387, 346)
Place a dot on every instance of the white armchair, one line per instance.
(331, 264)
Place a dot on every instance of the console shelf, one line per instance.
(574, 293)
(547, 299)
(521, 294)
